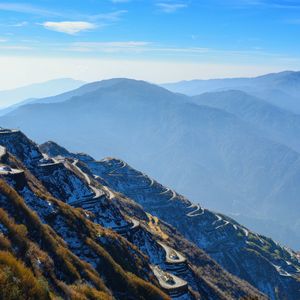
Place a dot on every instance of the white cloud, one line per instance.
(170, 7)
(69, 27)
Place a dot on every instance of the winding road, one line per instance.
(195, 213)
(98, 193)
(121, 167)
(172, 256)
(169, 282)
(222, 225)
(151, 182)
(165, 192)
(173, 195)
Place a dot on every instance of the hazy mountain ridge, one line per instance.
(281, 89)
(281, 81)
(19, 96)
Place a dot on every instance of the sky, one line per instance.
(154, 40)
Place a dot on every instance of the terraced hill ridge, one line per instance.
(268, 266)
(64, 233)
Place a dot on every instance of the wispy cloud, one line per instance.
(169, 7)
(108, 47)
(281, 4)
(19, 24)
(128, 44)
(111, 16)
(39, 11)
(69, 27)
(133, 47)
(14, 47)
(143, 48)
(26, 9)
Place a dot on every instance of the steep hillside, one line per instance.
(273, 269)
(71, 255)
(210, 155)
(99, 244)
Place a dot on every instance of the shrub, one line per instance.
(17, 282)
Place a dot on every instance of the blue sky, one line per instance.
(156, 40)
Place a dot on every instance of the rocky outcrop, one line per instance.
(20, 146)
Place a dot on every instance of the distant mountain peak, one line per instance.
(124, 83)
(18, 96)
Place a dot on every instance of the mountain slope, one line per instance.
(230, 244)
(208, 154)
(102, 239)
(265, 264)
(53, 258)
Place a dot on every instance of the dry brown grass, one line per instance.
(153, 224)
(17, 282)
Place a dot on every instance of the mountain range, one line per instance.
(230, 151)
(281, 89)
(79, 228)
